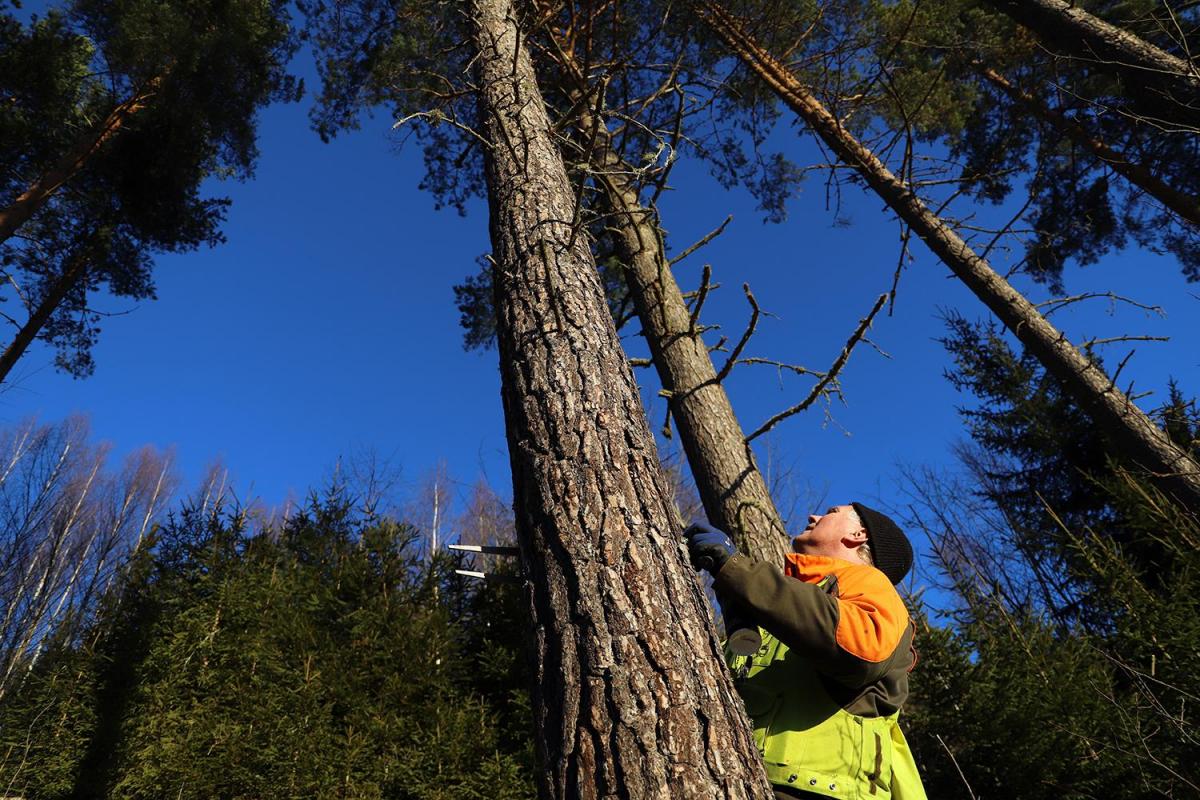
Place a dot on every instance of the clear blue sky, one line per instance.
(326, 325)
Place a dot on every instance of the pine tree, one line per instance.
(1013, 111)
(1073, 609)
(603, 633)
(1175, 469)
(115, 113)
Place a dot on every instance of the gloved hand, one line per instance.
(708, 547)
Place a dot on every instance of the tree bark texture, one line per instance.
(732, 489)
(77, 266)
(1097, 394)
(68, 166)
(1186, 206)
(1171, 84)
(631, 698)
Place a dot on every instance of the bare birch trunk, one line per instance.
(22, 529)
(1186, 206)
(36, 621)
(1097, 394)
(1171, 84)
(32, 199)
(631, 699)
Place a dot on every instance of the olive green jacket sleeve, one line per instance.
(850, 630)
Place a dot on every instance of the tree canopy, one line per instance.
(115, 115)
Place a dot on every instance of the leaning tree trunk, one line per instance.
(1164, 84)
(77, 265)
(68, 166)
(1186, 206)
(732, 489)
(1097, 394)
(631, 698)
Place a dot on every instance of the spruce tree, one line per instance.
(323, 658)
(1070, 599)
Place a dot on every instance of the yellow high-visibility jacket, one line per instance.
(825, 688)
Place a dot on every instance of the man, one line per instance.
(825, 688)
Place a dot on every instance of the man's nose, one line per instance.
(813, 519)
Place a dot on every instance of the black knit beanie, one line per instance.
(890, 549)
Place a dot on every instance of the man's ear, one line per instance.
(855, 539)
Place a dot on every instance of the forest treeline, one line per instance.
(154, 646)
(325, 651)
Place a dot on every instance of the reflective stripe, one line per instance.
(878, 763)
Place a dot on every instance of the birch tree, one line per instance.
(69, 524)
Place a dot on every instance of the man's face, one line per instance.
(835, 533)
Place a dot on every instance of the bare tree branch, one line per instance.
(703, 241)
(751, 326)
(819, 389)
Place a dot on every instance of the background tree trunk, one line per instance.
(27, 204)
(631, 699)
(1186, 206)
(76, 268)
(1143, 441)
(732, 489)
(1171, 84)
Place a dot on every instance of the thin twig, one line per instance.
(1057, 303)
(436, 116)
(905, 233)
(1112, 384)
(755, 312)
(708, 238)
(1130, 338)
(701, 296)
(819, 389)
(954, 761)
(779, 365)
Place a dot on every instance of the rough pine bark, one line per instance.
(1186, 206)
(1096, 393)
(1160, 81)
(732, 489)
(631, 698)
(68, 166)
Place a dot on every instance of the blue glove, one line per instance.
(708, 547)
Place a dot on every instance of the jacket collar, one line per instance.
(811, 569)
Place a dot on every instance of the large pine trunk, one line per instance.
(1166, 86)
(732, 489)
(1095, 392)
(631, 699)
(1186, 206)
